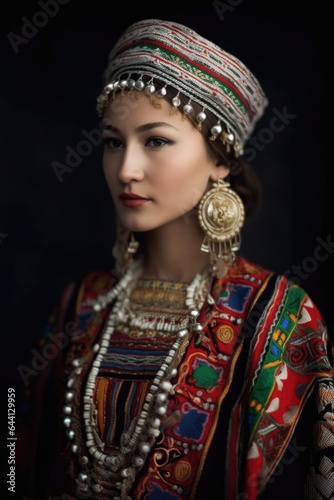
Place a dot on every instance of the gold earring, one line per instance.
(124, 248)
(221, 215)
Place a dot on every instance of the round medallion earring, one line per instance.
(221, 215)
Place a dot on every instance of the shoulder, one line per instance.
(287, 310)
(80, 292)
(240, 287)
(248, 285)
(95, 283)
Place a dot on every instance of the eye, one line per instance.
(157, 142)
(112, 143)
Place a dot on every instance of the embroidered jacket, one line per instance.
(252, 415)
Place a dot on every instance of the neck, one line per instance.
(174, 251)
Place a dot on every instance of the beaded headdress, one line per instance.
(164, 51)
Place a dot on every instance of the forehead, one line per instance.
(135, 109)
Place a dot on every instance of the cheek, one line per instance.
(182, 190)
(191, 176)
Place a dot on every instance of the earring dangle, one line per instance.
(221, 215)
(132, 245)
(124, 248)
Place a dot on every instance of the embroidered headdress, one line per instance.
(176, 56)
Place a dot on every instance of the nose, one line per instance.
(131, 167)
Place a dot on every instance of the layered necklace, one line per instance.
(104, 473)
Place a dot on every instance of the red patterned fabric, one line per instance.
(253, 410)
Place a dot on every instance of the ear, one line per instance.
(220, 170)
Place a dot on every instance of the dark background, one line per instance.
(52, 232)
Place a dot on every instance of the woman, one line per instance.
(188, 370)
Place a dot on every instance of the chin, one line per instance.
(135, 226)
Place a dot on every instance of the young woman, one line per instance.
(187, 371)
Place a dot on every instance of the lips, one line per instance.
(132, 200)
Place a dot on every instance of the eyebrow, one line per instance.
(141, 128)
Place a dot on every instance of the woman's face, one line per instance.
(156, 165)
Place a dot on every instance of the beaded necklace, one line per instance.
(121, 466)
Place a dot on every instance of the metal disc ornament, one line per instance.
(221, 213)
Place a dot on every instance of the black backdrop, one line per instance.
(51, 67)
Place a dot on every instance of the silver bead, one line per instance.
(176, 101)
(131, 83)
(109, 88)
(194, 313)
(67, 410)
(67, 421)
(166, 385)
(97, 307)
(162, 410)
(229, 138)
(70, 433)
(138, 461)
(216, 130)
(70, 382)
(155, 422)
(76, 362)
(124, 473)
(153, 432)
(162, 92)
(69, 396)
(123, 84)
(201, 116)
(187, 108)
(139, 84)
(150, 89)
(74, 448)
(161, 397)
(83, 477)
(198, 327)
(144, 447)
(183, 332)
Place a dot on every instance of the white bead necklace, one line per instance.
(138, 440)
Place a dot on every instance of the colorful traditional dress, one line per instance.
(250, 416)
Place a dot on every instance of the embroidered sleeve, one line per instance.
(291, 365)
(320, 480)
